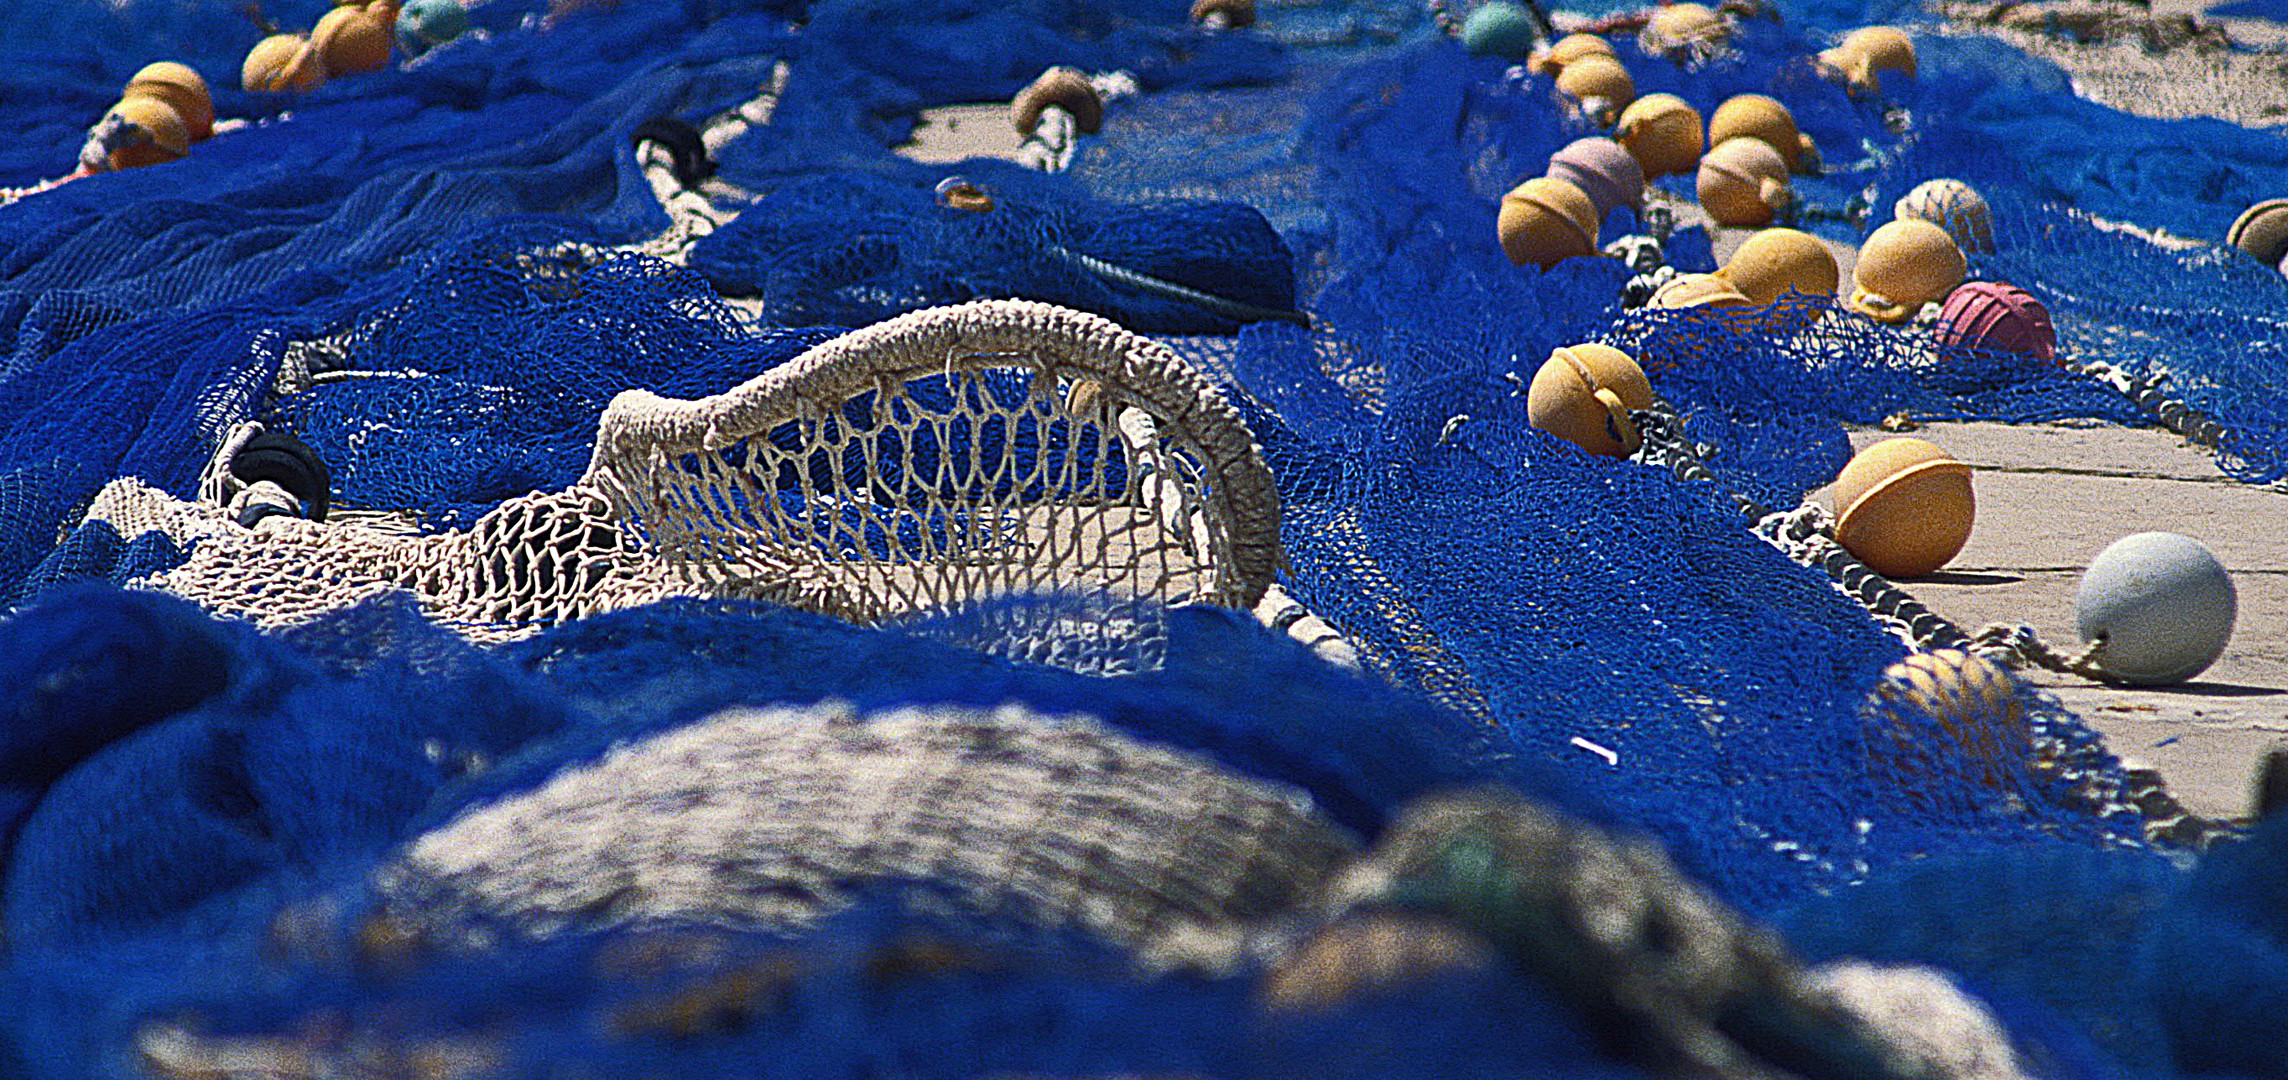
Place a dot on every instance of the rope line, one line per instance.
(2146, 393)
(1230, 309)
(1807, 536)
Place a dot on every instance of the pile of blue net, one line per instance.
(200, 824)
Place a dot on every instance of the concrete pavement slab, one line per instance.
(2050, 498)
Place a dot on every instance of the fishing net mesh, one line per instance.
(660, 490)
(1063, 819)
(923, 464)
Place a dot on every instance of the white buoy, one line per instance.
(2163, 605)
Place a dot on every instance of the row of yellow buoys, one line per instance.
(351, 38)
(1912, 261)
(1753, 147)
(170, 103)
(1743, 156)
(1904, 507)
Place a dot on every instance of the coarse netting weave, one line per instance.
(994, 832)
(1010, 808)
(922, 464)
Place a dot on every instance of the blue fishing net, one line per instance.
(413, 272)
(149, 310)
(226, 772)
(2160, 970)
(975, 50)
(850, 250)
(2199, 317)
(426, 407)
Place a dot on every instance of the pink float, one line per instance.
(1999, 316)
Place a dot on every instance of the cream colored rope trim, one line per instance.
(679, 499)
(642, 435)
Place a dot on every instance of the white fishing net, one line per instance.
(922, 464)
(771, 819)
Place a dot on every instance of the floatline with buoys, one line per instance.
(566, 553)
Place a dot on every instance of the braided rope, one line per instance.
(2175, 415)
(1230, 309)
(2017, 645)
(1807, 536)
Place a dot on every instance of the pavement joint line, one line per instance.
(2054, 570)
(2059, 470)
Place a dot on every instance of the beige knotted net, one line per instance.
(771, 819)
(925, 463)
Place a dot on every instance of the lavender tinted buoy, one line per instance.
(2160, 606)
(1604, 171)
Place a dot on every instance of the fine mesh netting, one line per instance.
(776, 618)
